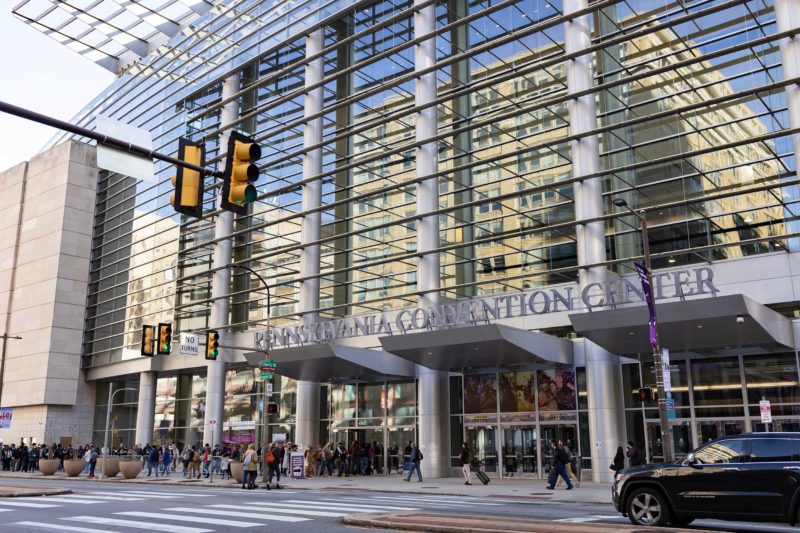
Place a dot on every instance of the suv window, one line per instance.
(726, 451)
(772, 450)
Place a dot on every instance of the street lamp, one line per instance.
(666, 437)
(108, 420)
(269, 306)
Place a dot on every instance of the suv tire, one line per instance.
(647, 507)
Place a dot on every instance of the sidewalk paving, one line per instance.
(489, 524)
(524, 489)
(16, 491)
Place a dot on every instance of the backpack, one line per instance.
(270, 457)
(419, 454)
(154, 454)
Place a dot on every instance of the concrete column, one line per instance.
(307, 431)
(220, 287)
(146, 411)
(788, 17)
(434, 397)
(603, 372)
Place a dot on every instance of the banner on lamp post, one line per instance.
(641, 270)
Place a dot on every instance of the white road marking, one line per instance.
(136, 524)
(96, 496)
(322, 506)
(360, 503)
(197, 494)
(450, 501)
(29, 504)
(583, 519)
(61, 500)
(281, 510)
(266, 515)
(60, 527)
(198, 519)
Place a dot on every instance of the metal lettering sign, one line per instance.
(266, 375)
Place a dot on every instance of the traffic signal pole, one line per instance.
(105, 140)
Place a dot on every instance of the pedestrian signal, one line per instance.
(646, 394)
(272, 408)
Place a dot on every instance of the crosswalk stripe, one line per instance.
(200, 519)
(278, 509)
(237, 514)
(61, 500)
(323, 507)
(60, 527)
(96, 496)
(173, 494)
(450, 501)
(168, 528)
(151, 496)
(425, 504)
(29, 504)
(6, 510)
(360, 503)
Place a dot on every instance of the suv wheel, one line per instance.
(647, 507)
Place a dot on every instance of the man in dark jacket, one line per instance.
(416, 458)
(635, 457)
(560, 458)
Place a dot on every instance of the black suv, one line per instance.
(751, 477)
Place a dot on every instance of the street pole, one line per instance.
(658, 361)
(108, 421)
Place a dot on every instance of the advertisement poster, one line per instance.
(557, 390)
(5, 417)
(480, 393)
(296, 464)
(518, 392)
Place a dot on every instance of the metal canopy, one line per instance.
(486, 346)
(692, 326)
(334, 362)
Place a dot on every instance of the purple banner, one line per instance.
(648, 296)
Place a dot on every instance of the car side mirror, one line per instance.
(691, 460)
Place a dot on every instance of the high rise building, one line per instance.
(436, 225)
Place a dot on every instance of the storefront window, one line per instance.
(716, 381)
(631, 383)
(343, 398)
(518, 392)
(240, 381)
(371, 401)
(480, 393)
(771, 377)
(678, 377)
(583, 396)
(557, 389)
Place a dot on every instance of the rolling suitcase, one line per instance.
(552, 477)
(480, 474)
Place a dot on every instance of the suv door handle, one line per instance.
(791, 467)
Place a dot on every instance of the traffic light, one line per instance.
(164, 339)
(212, 346)
(272, 408)
(188, 184)
(240, 173)
(646, 394)
(148, 338)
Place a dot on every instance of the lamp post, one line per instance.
(269, 306)
(666, 437)
(108, 421)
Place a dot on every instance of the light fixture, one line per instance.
(631, 333)
(699, 326)
(671, 259)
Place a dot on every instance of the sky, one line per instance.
(39, 74)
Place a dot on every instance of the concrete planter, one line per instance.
(48, 467)
(130, 469)
(236, 470)
(112, 468)
(74, 467)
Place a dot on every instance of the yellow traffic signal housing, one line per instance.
(240, 173)
(188, 184)
(164, 339)
(212, 346)
(148, 340)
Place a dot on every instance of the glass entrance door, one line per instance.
(366, 439)
(399, 438)
(482, 442)
(519, 451)
(681, 440)
(566, 433)
(708, 430)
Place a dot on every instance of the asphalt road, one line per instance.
(110, 507)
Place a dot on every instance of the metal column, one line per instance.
(434, 397)
(788, 17)
(220, 287)
(603, 371)
(307, 432)
(146, 410)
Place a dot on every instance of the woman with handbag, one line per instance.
(250, 468)
(619, 461)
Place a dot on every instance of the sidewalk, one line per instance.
(474, 524)
(524, 489)
(16, 491)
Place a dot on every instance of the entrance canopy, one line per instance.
(486, 346)
(692, 326)
(333, 362)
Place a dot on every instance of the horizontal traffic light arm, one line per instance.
(105, 140)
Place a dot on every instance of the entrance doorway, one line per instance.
(482, 442)
(708, 430)
(399, 440)
(566, 433)
(519, 451)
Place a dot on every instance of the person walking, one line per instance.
(635, 457)
(166, 460)
(153, 460)
(216, 460)
(560, 458)
(619, 461)
(415, 459)
(249, 468)
(568, 467)
(465, 463)
(274, 459)
(344, 463)
(92, 460)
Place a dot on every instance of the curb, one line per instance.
(37, 492)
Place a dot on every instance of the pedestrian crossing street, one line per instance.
(200, 511)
